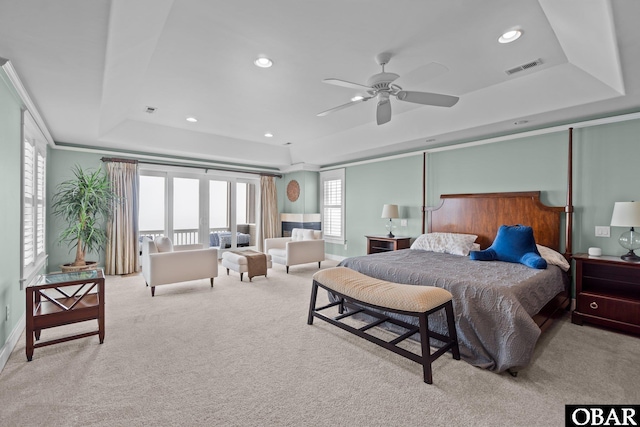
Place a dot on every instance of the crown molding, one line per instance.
(26, 99)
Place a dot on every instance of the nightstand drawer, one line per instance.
(609, 308)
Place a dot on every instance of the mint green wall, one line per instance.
(368, 188)
(59, 164)
(308, 202)
(605, 172)
(526, 164)
(10, 194)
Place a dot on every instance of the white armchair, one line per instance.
(163, 263)
(304, 246)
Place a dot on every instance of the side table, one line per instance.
(607, 292)
(59, 299)
(377, 244)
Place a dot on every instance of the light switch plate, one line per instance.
(603, 231)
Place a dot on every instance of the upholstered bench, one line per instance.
(241, 262)
(364, 294)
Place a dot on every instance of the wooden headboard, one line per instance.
(483, 214)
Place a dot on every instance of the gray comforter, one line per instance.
(493, 300)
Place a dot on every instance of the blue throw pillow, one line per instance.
(513, 243)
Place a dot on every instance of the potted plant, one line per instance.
(84, 202)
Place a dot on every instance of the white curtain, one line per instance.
(270, 226)
(122, 229)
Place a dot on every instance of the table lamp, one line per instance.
(627, 214)
(390, 211)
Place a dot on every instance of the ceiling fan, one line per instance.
(381, 86)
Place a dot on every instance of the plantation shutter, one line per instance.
(332, 188)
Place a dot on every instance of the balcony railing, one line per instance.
(187, 236)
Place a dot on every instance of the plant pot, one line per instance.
(70, 268)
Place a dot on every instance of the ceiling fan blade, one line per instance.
(427, 98)
(383, 112)
(340, 107)
(345, 83)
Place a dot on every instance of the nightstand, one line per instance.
(607, 292)
(377, 244)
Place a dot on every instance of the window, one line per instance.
(190, 206)
(33, 200)
(332, 197)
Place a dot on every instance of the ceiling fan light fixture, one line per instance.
(510, 36)
(263, 62)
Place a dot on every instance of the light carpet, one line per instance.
(241, 354)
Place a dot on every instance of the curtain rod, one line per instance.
(122, 160)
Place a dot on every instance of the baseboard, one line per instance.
(11, 342)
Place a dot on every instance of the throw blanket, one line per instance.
(256, 262)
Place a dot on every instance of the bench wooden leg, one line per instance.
(312, 303)
(426, 350)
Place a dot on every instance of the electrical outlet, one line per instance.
(403, 222)
(345, 246)
(603, 231)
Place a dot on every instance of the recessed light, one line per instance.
(268, 135)
(510, 36)
(357, 98)
(192, 119)
(263, 62)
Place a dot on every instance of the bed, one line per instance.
(501, 308)
(222, 239)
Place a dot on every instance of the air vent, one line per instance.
(524, 67)
(150, 110)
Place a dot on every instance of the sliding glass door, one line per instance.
(220, 211)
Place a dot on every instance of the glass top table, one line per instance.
(59, 299)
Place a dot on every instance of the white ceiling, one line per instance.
(92, 68)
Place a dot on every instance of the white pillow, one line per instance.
(163, 244)
(553, 257)
(449, 243)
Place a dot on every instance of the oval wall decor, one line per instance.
(293, 190)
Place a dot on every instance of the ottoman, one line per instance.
(238, 261)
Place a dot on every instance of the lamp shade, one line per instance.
(626, 214)
(390, 211)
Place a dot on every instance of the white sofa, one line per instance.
(163, 263)
(304, 246)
